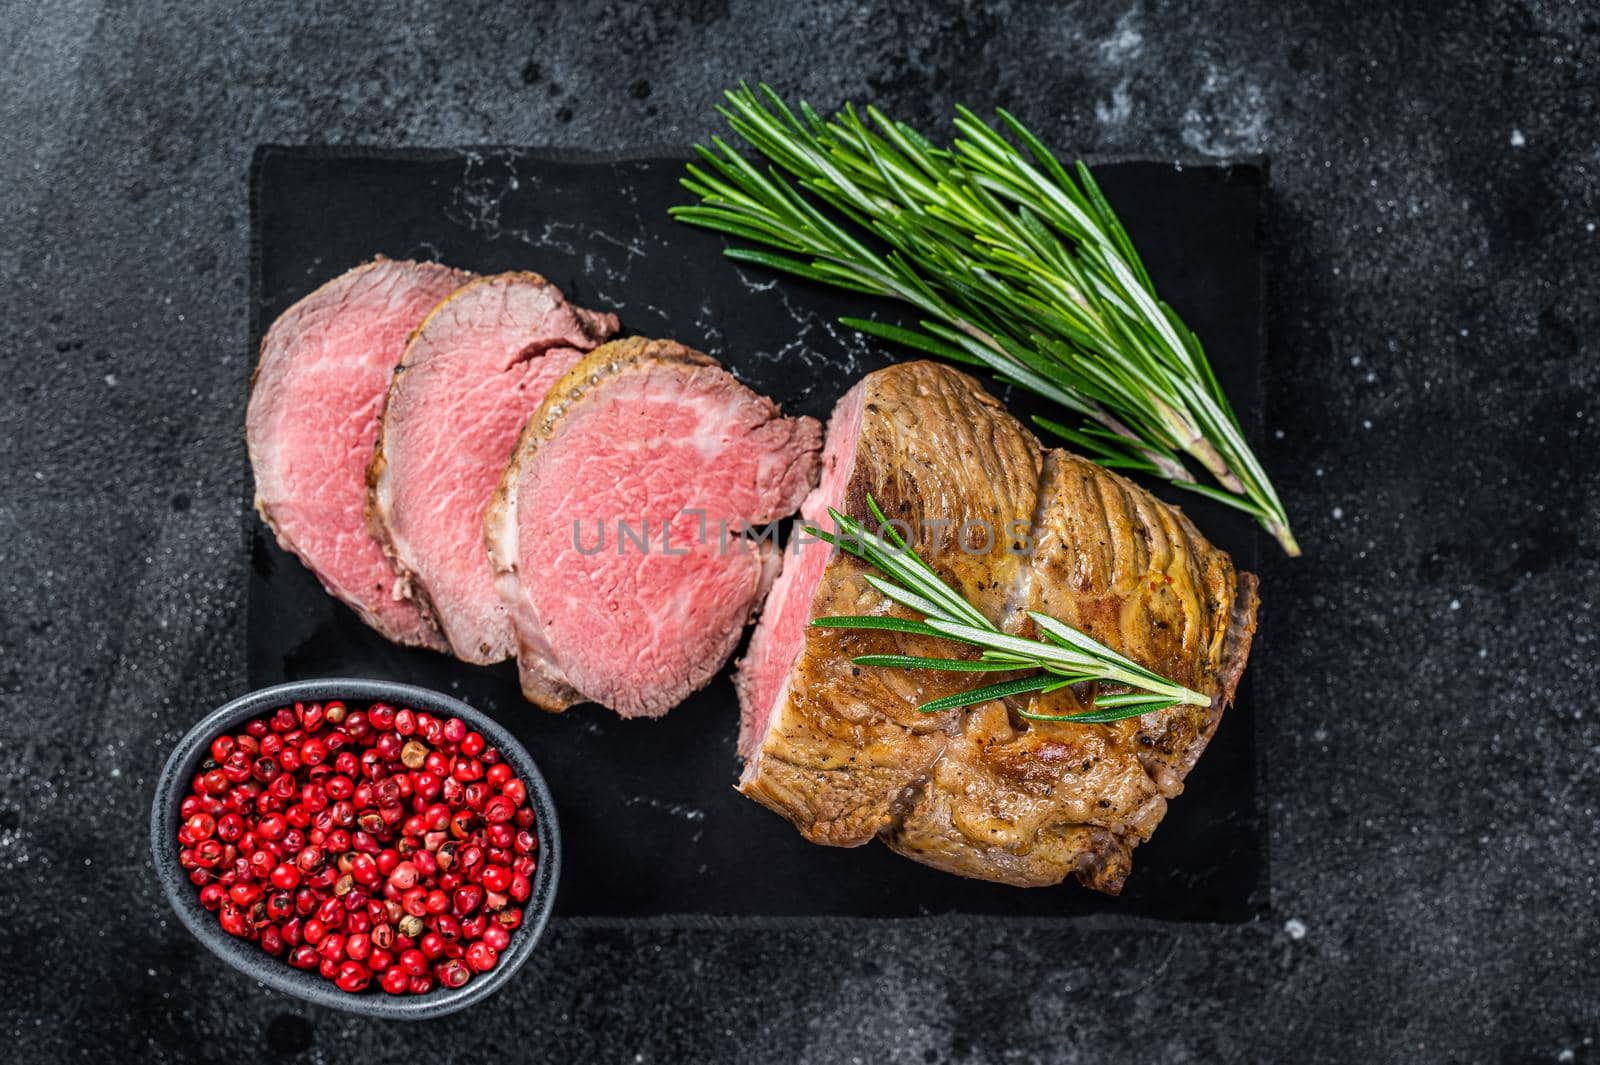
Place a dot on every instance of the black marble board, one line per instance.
(653, 826)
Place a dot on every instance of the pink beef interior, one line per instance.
(313, 419)
(634, 628)
(777, 640)
(479, 368)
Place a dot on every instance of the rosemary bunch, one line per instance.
(1066, 656)
(1012, 262)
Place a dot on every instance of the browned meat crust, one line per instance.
(984, 792)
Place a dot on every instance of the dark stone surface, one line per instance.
(1425, 672)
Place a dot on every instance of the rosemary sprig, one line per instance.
(1013, 263)
(1066, 656)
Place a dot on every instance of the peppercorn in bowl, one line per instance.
(365, 845)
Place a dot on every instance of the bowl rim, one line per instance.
(194, 747)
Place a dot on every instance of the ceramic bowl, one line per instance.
(194, 749)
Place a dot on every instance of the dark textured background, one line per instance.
(1424, 672)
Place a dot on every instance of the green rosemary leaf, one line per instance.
(1097, 717)
(1113, 702)
(1220, 496)
(1067, 636)
(911, 339)
(1043, 155)
(1113, 225)
(883, 523)
(897, 559)
(987, 693)
(903, 597)
(776, 262)
(1107, 448)
(887, 623)
(953, 665)
(1115, 666)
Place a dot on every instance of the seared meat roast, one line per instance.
(842, 751)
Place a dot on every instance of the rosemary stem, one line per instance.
(1280, 532)
(1168, 469)
(1207, 456)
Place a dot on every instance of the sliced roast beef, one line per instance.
(315, 404)
(616, 528)
(471, 375)
(842, 751)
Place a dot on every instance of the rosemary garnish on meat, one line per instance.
(1065, 657)
(1013, 262)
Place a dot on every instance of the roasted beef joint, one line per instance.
(842, 751)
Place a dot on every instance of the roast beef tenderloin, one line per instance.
(473, 372)
(316, 400)
(842, 751)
